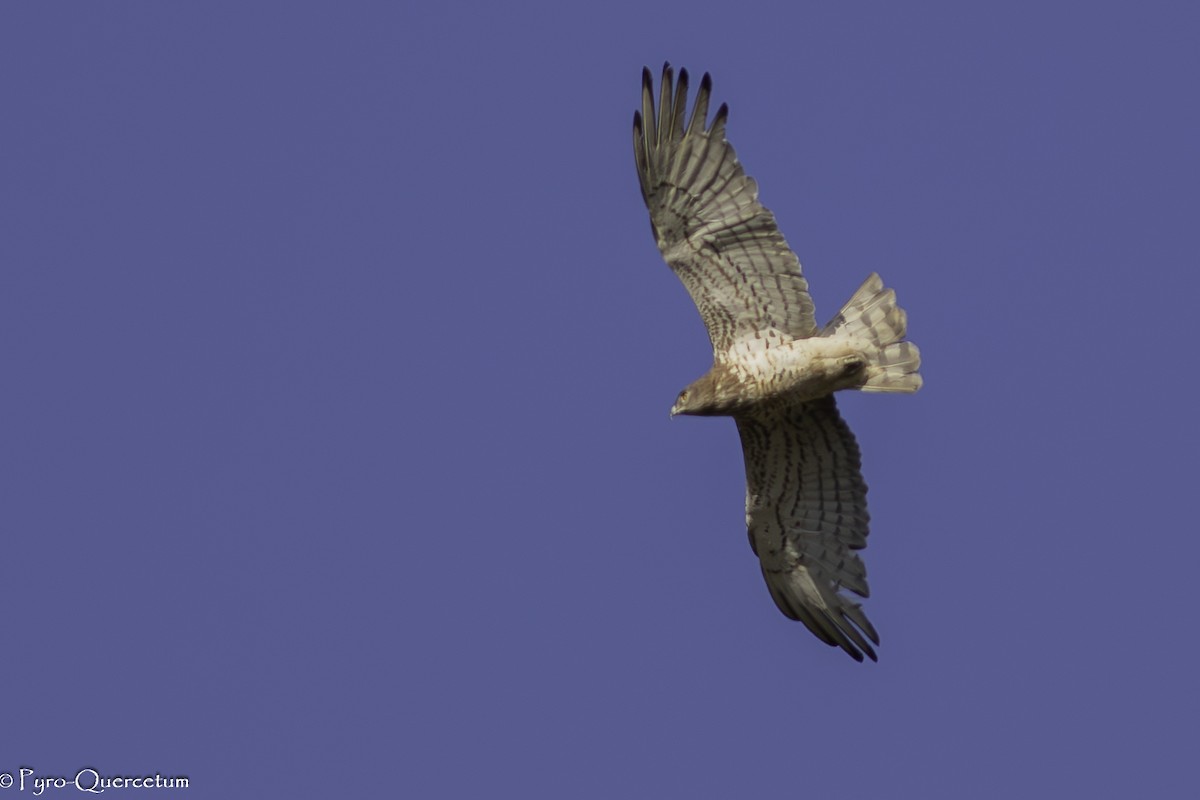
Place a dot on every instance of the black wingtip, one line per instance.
(706, 83)
(856, 654)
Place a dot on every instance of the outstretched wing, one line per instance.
(806, 510)
(712, 231)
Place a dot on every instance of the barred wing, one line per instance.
(712, 231)
(806, 510)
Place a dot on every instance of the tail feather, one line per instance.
(872, 316)
(896, 369)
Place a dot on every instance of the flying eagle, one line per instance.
(773, 370)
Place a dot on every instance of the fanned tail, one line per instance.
(871, 315)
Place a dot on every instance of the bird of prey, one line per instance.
(774, 371)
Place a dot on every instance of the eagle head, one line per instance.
(704, 398)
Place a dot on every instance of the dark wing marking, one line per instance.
(806, 510)
(721, 242)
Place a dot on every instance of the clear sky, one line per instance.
(337, 355)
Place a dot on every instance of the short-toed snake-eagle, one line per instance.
(774, 371)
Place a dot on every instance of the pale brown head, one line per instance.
(705, 398)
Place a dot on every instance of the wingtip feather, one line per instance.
(719, 120)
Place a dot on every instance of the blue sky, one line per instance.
(337, 360)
